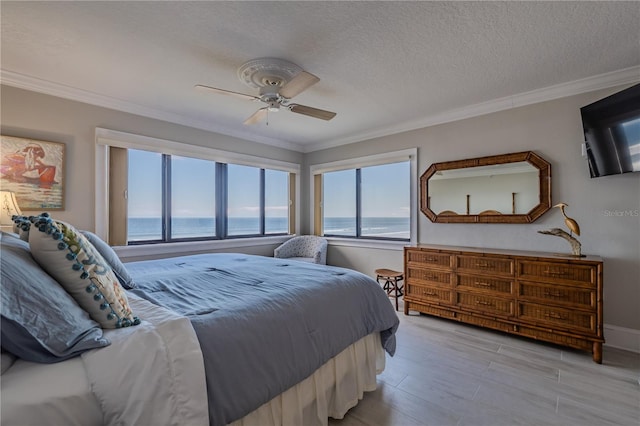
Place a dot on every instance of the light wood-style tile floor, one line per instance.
(446, 373)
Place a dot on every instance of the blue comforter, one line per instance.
(264, 324)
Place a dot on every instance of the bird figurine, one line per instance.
(573, 226)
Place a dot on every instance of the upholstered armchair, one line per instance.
(308, 248)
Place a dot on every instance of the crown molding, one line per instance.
(589, 84)
(584, 85)
(33, 84)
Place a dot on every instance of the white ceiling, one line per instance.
(384, 67)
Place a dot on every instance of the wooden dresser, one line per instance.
(547, 297)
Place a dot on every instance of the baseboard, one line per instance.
(622, 338)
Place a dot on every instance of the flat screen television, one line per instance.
(612, 133)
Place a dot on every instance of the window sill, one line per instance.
(364, 243)
(189, 247)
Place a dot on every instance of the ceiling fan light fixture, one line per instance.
(274, 106)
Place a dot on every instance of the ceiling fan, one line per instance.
(278, 81)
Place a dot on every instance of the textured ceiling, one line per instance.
(384, 66)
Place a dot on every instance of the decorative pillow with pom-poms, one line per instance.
(21, 226)
(74, 262)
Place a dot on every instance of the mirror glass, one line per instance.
(511, 188)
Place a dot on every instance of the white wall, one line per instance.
(553, 130)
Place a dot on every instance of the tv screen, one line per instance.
(612, 133)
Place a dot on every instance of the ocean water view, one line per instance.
(150, 228)
(387, 227)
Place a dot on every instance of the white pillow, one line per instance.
(74, 262)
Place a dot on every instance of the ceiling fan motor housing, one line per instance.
(270, 94)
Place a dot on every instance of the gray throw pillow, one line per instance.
(122, 274)
(40, 321)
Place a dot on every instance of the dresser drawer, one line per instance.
(428, 276)
(489, 265)
(428, 294)
(429, 309)
(441, 260)
(558, 295)
(570, 319)
(486, 322)
(485, 304)
(558, 272)
(485, 283)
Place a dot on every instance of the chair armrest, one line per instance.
(284, 250)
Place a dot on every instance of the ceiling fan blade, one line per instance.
(298, 84)
(226, 92)
(257, 116)
(312, 112)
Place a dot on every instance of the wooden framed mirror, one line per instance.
(508, 188)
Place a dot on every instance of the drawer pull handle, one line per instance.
(482, 264)
(481, 284)
(549, 272)
(430, 293)
(431, 259)
(555, 294)
(480, 302)
(555, 316)
(430, 277)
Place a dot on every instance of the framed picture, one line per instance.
(34, 170)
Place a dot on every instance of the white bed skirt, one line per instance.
(330, 391)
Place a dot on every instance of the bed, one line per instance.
(223, 339)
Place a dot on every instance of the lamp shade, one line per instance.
(8, 207)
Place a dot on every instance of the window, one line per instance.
(385, 201)
(366, 198)
(175, 198)
(151, 190)
(244, 212)
(276, 201)
(339, 195)
(169, 195)
(144, 199)
(193, 202)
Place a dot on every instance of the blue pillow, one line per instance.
(118, 268)
(40, 321)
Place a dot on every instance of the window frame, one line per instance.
(221, 193)
(410, 155)
(106, 138)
